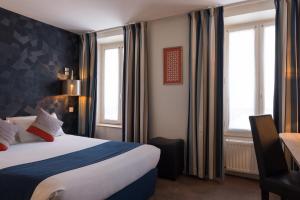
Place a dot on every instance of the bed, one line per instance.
(130, 174)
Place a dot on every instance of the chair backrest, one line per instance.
(268, 149)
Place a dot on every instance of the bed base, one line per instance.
(141, 189)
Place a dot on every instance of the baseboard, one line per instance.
(244, 175)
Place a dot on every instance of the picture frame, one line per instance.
(172, 65)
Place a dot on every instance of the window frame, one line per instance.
(258, 27)
(103, 47)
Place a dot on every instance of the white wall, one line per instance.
(248, 7)
(168, 103)
(108, 133)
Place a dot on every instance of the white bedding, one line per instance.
(93, 182)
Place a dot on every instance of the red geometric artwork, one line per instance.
(173, 65)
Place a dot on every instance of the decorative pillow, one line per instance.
(45, 126)
(16, 139)
(23, 123)
(7, 134)
(60, 132)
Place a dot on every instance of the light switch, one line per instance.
(71, 109)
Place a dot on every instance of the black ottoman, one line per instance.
(171, 161)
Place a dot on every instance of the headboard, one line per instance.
(31, 55)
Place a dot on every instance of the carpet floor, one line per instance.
(190, 188)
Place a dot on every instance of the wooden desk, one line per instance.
(292, 143)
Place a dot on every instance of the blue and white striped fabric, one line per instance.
(287, 76)
(88, 77)
(135, 84)
(205, 124)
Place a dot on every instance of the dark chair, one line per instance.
(273, 171)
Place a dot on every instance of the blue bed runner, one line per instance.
(19, 182)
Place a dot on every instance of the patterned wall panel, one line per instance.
(31, 55)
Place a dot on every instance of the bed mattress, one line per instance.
(95, 181)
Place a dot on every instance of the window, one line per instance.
(241, 73)
(111, 62)
(269, 67)
(249, 82)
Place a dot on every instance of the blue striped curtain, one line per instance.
(205, 123)
(287, 66)
(88, 77)
(135, 84)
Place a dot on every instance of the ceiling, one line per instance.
(92, 15)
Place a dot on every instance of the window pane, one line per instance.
(269, 68)
(111, 84)
(241, 78)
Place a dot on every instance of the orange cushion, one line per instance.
(3, 147)
(40, 133)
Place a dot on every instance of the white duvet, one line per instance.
(93, 182)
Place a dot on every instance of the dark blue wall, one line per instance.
(31, 55)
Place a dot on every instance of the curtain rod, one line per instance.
(112, 29)
(105, 30)
(245, 2)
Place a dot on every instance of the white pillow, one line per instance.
(7, 134)
(60, 132)
(23, 124)
(16, 139)
(45, 126)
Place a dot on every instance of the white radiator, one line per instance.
(240, 156)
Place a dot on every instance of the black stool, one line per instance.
(171, 161)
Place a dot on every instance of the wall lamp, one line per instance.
(71, 88)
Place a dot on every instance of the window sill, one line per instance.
(238, 134)
(110, 125)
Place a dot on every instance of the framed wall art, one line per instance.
(173, 65)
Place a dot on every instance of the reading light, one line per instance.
(72, 87)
